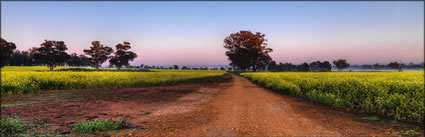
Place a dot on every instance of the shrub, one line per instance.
(96, 126)
(11, 127)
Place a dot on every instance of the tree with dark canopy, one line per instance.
(304, 67)
(122, 56)
(272, 66)
(325, 66)
(376, 66)
(77, 60)
(247, 50)
(21, 58)
(315, 66)
(176, 67)
(341, 64)
(6, 49)
(395, 65)
(51, 53)
(98, 54)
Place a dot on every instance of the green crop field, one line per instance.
(399, 95)
(16, 80)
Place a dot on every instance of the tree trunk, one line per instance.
(97, 67)
(51, 67)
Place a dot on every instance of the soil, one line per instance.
(223, 106)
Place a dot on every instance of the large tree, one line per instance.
(122, 56)
(247, 50)
(98, 54)
(51, 53)
(341, 64)
(6, 49)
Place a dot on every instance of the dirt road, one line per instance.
(222, 106)
(245, 109)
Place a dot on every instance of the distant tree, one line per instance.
(141, 66)
(85, 59)
(262, 63)
(272, 66)
(176, 67)
(51, 53)
(222, 68)
(284, 67)
(376, 66)
(315, 66)
(366, 66)
(170, 67)
(325, 66)
(98, 54)
(303, 67)
(6, 49)
(77, 60)
(247, 50)
(122, 56)
(21, 58)
(341, 64)
(290, 67)
(395, 65)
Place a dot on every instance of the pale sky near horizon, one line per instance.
(192, 33)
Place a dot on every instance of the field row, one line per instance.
(29, 81)
(393, 94)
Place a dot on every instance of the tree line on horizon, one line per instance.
(177, 67)
(249, 51)
(246, 51)
(53, 53)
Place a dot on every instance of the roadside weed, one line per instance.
(11, 126)
(96, 126)
(371, 118)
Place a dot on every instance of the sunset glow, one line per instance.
(192, 33)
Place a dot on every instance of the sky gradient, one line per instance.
(192, 33)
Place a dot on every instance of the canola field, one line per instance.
(17, 80)
(399, 95)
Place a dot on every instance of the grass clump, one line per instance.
(11, 126)
(371, 118)
(96, 126)
(410, 132)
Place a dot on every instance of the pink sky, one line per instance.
(192, 33)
